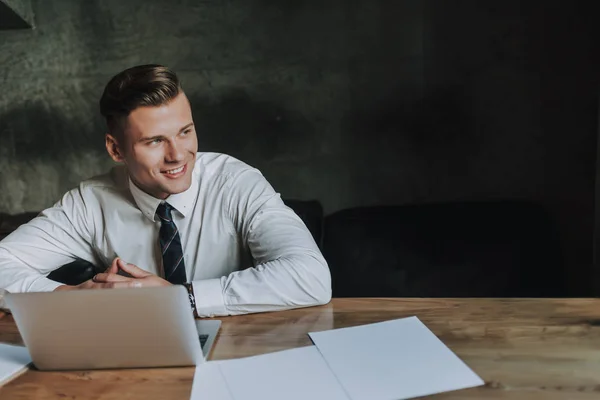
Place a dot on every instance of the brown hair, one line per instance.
(139, 86)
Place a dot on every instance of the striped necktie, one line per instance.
(170, 244)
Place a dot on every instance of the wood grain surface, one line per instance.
(522, 348)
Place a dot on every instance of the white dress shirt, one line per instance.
(244, 250)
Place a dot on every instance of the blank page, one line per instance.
(390, 360)
(209, 383)
(296, 374)
(13, 361)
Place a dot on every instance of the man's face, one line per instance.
(159, 147)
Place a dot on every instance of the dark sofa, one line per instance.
(468, 249)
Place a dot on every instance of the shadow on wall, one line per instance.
(44, 152)
(438, 120)
(39, 132)
(405, 150)
(257, 132)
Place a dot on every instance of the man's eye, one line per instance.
(186, 132)
(155, 141)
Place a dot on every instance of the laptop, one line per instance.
(116, 328)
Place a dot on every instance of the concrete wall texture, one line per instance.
(349, 102)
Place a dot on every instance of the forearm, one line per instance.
(15, 276)
(289, 271)
(294, 281)
(44, 244)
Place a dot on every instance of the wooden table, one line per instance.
(523, 349)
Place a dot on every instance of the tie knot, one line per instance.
(164, 212)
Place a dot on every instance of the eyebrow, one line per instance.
(149, 139)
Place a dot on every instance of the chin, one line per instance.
(176, 189)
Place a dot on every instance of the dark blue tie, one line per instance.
(170, 244)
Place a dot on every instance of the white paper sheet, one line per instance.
(397, 359)
(296, 374)
(13, 360)
(209, 383)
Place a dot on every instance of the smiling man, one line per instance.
(171, 215)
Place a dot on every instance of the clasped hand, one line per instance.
(110, 279)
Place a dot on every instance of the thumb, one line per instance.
(132, 269)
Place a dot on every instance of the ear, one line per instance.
(112, 146)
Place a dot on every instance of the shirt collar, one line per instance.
(182, 202)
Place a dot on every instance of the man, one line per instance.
(170, 215)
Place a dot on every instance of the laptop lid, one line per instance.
(107, 328)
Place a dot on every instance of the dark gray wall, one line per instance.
(350, 102)
(522, 79)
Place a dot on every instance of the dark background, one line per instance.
(349, 102)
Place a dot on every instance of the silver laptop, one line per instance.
(118, 328)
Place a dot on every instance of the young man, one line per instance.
(170, 215)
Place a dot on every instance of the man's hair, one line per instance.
(139, 86)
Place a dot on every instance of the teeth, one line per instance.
(175, 171)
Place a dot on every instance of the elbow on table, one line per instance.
(315, 297)
(320, 288)
(324, 297)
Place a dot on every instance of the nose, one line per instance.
(174, 152)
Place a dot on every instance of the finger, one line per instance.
(114, 267)
(106, 278)
(132, 270)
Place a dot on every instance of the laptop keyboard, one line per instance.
(203, 339)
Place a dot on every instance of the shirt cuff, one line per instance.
(209, 297)
(43, 284)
